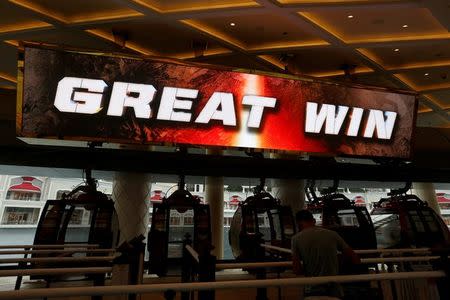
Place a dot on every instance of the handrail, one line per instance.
(364, 251)
(42, 246)
(197, 286)
(284, 250)
(377, 260)
(193, 253)
(54, 251)
(253, 265)
(57, 271)
(56, 259)
(400, 250)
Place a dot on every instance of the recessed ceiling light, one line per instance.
(426, 74)
(350, 16)
(232, 24)
(405, 26)
(396, 49)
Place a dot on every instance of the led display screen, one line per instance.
(81, 96)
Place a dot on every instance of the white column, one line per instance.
(291, 192)
(131, 193)
(214, 197)
(426, 192)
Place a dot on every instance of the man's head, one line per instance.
(304, 219)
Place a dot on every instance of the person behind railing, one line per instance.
(318, 248)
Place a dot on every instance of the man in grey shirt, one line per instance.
(318, 249)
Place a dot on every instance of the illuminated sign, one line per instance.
(74, 96)
(220, 106)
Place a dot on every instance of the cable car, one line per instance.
(84, 216)
(336, 212)
(403, 221)
(177, 217)
(260, 219)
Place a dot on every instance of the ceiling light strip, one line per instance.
(188, 8)
(213, 33)
(273, 60)
(40, 10)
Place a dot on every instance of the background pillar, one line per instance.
(426, 192)
(291, 192)
(214, 197)
(131, 193)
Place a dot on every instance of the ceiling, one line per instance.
(399, 44)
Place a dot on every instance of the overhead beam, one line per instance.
(212, 165)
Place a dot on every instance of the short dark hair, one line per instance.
(304, 215)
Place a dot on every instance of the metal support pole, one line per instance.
(207, 273)
(21, 266)
(169, 295)
(261, 293)
(186, 265)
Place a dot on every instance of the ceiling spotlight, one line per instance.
(232, 24)
(396, 49)
(350, 16)
(405, 26)
(426, 74)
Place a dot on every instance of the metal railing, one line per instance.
(365, 251)
(57, 271)
(41, 246)
(57, 251)
(204, 286)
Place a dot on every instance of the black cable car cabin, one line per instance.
(403, 221)
(61, 222)
(166, 238)
(336, 212)
(260, 219)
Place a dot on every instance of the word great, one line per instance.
(85, 96)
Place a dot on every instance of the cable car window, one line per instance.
(249, 224)
(366, 215)
(77, 217)
(261, 221)
(160, 219)
(177, 232)
(387, 230)
(189, 220)
(418, 223)
(430, 220)
(318, 217)
(276, 224)
(264, 227)
(175, 220)
(76, 232)
(317, 214)
(348, 218)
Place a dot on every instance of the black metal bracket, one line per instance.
(401, 191)
(332, 189)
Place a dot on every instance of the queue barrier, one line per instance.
(57, 251)
(57, 271)
(57, 259)
(61, 251)
(364, 251)
(171, 288)
(57, 246)
(197, 266)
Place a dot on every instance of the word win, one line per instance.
(85, 96)
(334, 116)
